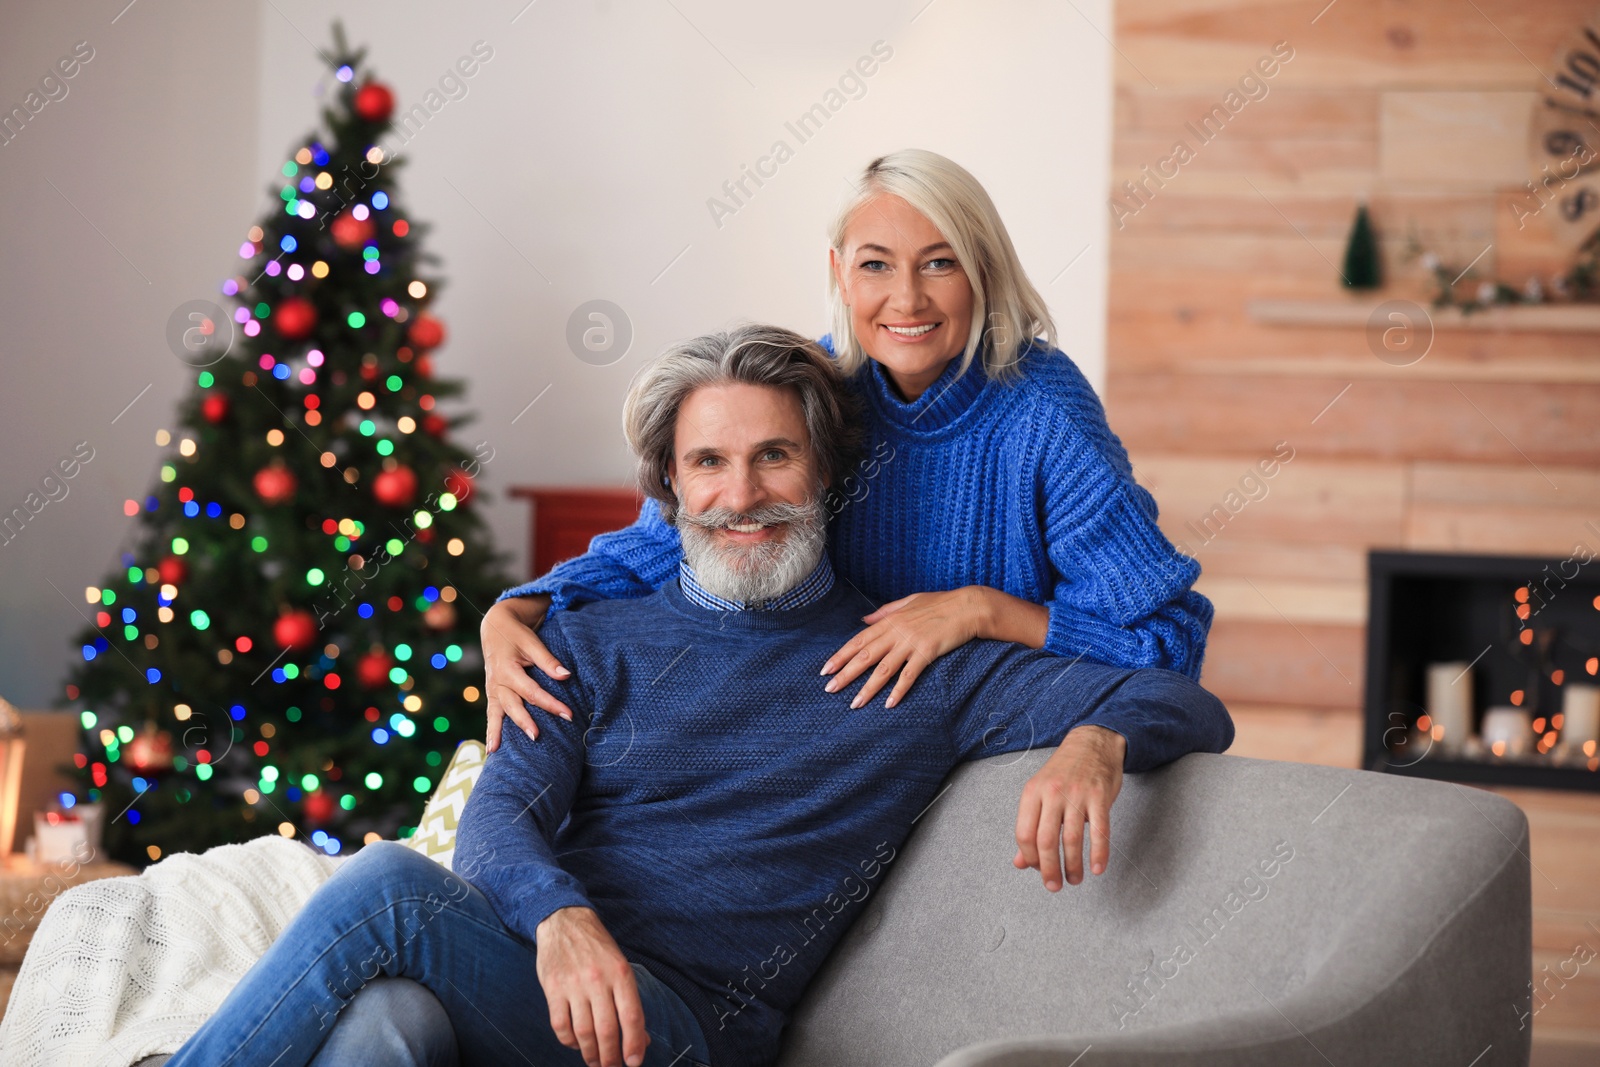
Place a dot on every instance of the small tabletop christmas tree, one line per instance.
(291, 647)
(1363, 268)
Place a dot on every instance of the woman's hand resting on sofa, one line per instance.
(510, 645)
(1077, 784)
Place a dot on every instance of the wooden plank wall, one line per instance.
(1491, 442)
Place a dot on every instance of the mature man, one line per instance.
(673, 864)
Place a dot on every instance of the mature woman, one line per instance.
(995, 501)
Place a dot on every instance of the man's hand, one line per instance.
(1077, 784)
(590, 988)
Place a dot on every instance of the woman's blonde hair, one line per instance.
(1007, 311)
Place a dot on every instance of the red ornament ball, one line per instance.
(275, 484)
(395, 488)
(372, 670)
(150, 750)
(425, 367)
(435, 424)
(215, 408)
(350, 232)
(295, 630)
(319, 806)
(173, 570)
(374, 102)
(295, 318)
(426, 332)
(458, 483)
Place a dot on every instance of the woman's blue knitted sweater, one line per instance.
(1020, 486)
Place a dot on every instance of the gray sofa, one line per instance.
(1254, 912)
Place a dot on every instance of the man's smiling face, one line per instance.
(748, 486)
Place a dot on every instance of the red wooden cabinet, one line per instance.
(562, 520)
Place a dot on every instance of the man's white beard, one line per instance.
(762, 570)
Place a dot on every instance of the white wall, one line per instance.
(593, 139)
(118, 202)
(577, 166)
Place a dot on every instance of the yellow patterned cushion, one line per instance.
(436, 833)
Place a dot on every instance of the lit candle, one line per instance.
(1506, 731)
(1450, 702)
(1580, 714)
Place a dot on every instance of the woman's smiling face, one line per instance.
(910, 301)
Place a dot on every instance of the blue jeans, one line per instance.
(394, 912)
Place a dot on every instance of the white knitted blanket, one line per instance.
(124, 968)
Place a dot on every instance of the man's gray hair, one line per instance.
(754, 354)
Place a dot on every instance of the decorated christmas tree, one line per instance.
(290, 646)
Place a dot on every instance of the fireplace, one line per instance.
(1484, 668)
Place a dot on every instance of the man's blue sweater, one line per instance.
(1020, 486)
(727, 818)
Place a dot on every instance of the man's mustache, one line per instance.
(778, 514)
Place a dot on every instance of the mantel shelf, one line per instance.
(1543, 318)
